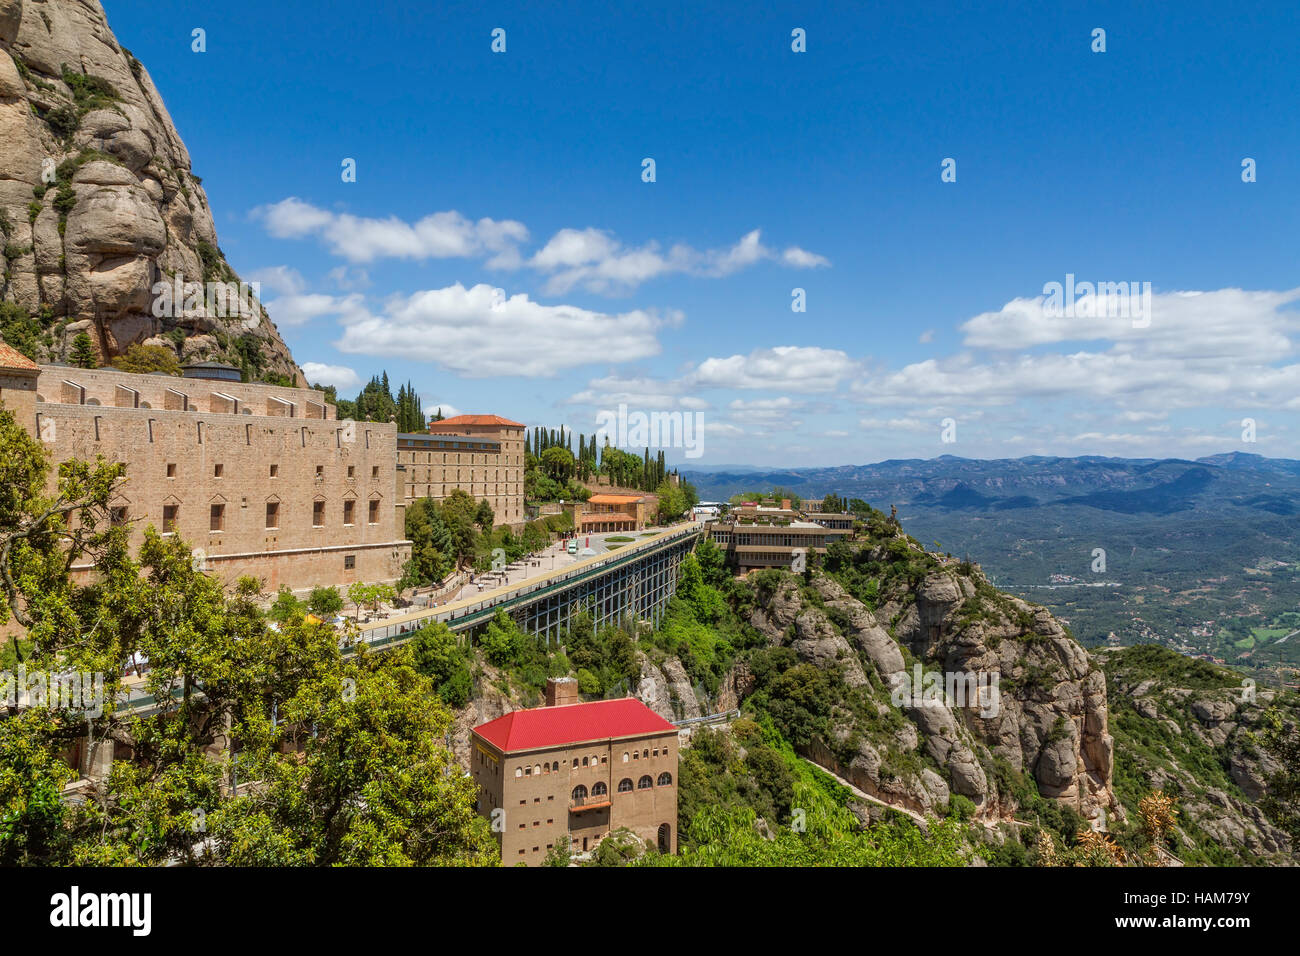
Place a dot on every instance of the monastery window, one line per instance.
(272, 515)
(171, 470)
(645, 783)
(117, 516)
(349, 562)
(275, 471)
(218, 470)
(320, 472)
(352, 471)
(584, 761)
(528, 772)
(598, 789)
(349, 506)
(374, 472)
(374, 512)
(171, 514)
(579, 792)
(519, 771)
(556, 766)
(625, 785)
(575, 763)
(217, 518)
(665, 779)
(318, 514)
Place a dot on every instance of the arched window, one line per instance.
(537, 768)
(584, 761)
(665, 779)
(519, 771)
(626, 756)
(546, 768)
(556, 766)
(625, 785)
(579, 792)
(598, 789)
(645, 783)
(646, 754)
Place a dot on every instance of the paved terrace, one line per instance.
(637, 578)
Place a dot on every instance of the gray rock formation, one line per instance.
(1049, 720)
(98, 203)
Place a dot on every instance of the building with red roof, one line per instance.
(569, 773)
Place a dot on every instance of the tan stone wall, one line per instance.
(497, 478)
(194, 460)
(18, 394)
(109, 387)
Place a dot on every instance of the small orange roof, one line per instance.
(12, 358)
(608, 499)
(462, 420)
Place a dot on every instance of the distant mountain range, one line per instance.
(1125, 485)
(1184, 542)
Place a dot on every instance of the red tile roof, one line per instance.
(572, 724)
(12, 358)
(608, 499)
(462, 420)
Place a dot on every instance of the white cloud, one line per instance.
(441, 235)
(596, 261)
(431, 406)
(789, 368)
(349, 279)
(472, 333)
(638, 393)
(290, 310)
(1224, 324)
(591, 258)
(340, 376)
(279, 279)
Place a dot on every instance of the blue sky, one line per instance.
(775, 170)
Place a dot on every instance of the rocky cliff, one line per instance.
(98, 204)
(1013, 699)
(1191, 729)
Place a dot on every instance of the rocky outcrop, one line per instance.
(667, 690)
(98, 204)
(1013, 686)
(1196, 725)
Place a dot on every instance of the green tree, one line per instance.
(557, 463)
(83, 352)
(285, 607)
(432, 551)
(346, 750)
(1281, 801)
(325, 602)
(144, 359)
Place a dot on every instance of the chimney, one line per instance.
(561, 690)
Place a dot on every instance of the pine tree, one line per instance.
(83, 352)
